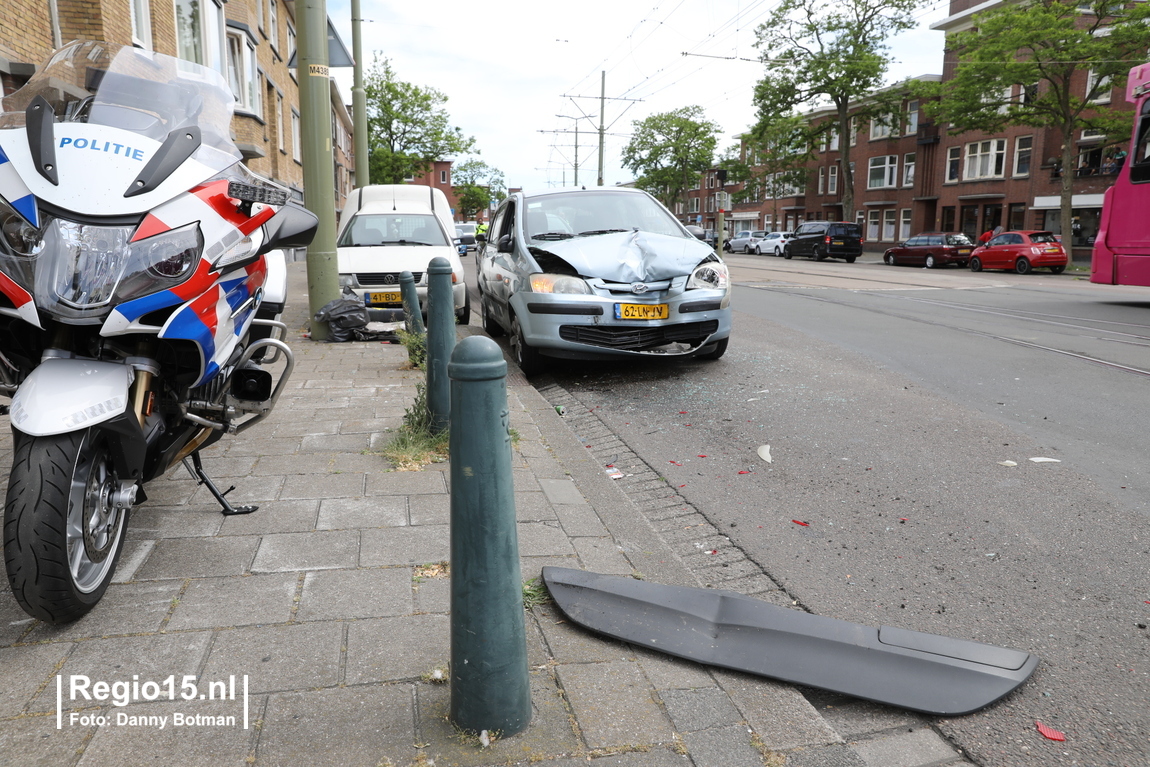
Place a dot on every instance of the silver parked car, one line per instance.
(600, 274)
(740, 243)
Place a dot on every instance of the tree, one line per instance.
(829, 51)
(476, 184)
(1038, 47)
(408, 130)
(669, 150)
(772, 162)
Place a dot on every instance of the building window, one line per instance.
(1023, 145)
(911, 118)
(948, 219)
(854, 130)
(1091, 133)
(1100, 86)
(243, 71)
(443, 177)
(296, 137)
(904, 227)
(141, 23)
(822, 179)
(883, 171)
(953, 163)
(834, 140)
(968, 222)
(280, 122)
(872, 224)
(1027, 94)
(833, 180)
(291, 44)
(1016, 216)
(200, 33)
(908, 169)
(888, 223)
(985, 159)
(273, 23)
(260, 14)
(881, 127)
(694, 204)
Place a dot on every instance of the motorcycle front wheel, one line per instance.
(62, 530)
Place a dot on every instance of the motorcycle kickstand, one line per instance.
(196, 469)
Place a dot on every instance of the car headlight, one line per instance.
(711, 275)
(558, 283)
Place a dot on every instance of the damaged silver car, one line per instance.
(600, 274)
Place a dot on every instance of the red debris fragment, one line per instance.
(903, 519)
(744, 472)
(675, 462)
(804, 524)
(701, 456)
(713, 551)
(1050, 732)
(682, 412)
(682, 485)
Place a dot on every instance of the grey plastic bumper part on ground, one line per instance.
(922, 672)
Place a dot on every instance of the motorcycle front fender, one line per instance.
(64, 395)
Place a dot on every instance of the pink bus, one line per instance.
(1122, 248)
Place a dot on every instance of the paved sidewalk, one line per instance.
(324, 600)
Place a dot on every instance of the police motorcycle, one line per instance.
(139, 293)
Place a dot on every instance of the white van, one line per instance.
(391, 228)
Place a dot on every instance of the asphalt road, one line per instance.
(890, 398)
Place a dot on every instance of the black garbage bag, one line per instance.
(343, 316)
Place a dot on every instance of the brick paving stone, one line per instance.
(602, 555)
(319, 550)
(406, 483)
(580, 520)
(723, 747)
(414, 545)
(827, 756)
(778, 713)
(39, 744)
(394, 649)
(322, 486)
(669, 673)
(572, 645)
(24, 670)
(922, 748)
(561, 491)
(274, 517)
(343, 594)
(150, 521)
(235, 601)
(699, 709)
(613, 704)
(313, 727)
(343, 513)
(537, 539)
(132, 608)
(278, 658)
(430, 509)
(199, 557)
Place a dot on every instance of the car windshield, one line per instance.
(845, 230)
(465, 228)
(373, 229)
(1042, 237)
(586, 214)
(958, 239)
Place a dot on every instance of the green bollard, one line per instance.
(490, 686)
(440, 340)
(410, 302)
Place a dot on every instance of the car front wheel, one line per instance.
(528, 359)
(930, 261)
(888, 259)
(976, 264)
(713, 351)
(1022, 265)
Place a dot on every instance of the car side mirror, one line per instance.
(481, 239)
(506, 245)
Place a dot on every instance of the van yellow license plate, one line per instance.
(642, 311)
(385, 298)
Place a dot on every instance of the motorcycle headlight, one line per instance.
(17, 236)
(172, 254)
(558, 283)
(711, 275)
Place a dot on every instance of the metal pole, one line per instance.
(440, 340)
(490, 682)
(410, 302)
(602, 112)
(576, 153)
(319, 192)
(359, 102)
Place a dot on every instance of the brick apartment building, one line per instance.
(911, 175)
(250, 42)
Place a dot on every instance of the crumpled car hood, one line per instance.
(629, 256)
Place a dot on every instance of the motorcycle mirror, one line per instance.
(293, 227)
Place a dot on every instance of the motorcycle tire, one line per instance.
(62, 536)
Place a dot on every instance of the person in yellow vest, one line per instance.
(480, 228)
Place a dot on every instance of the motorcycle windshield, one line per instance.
(132, 90)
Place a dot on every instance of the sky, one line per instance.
(516, 72)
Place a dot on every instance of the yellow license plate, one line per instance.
(836, 242)
(385, 298)
(964, 252)
(642, 311)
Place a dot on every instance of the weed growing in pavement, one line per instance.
(416, 345)
(415, 444)
(535, 594)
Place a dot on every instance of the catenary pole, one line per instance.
(602, 120)
(319, 192)
(359, 101)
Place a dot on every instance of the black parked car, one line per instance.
(821, 240)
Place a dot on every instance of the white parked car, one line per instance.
(391, 228)
(772, 243)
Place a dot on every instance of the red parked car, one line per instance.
(931, 249)
(1021, 251)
